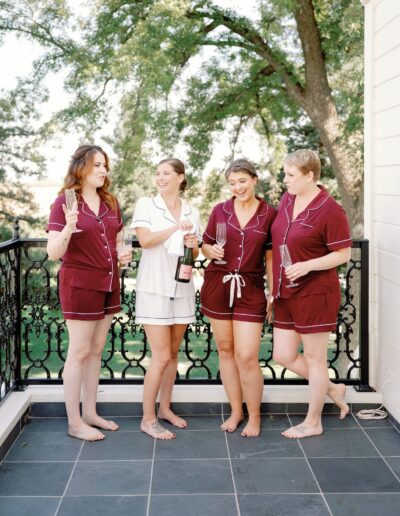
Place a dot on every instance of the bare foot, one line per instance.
(100, 422)
(172, 418)
(337, 395)
(154, 429)
(300, 431)
(252, 429)
(232, 423)
(85, 432)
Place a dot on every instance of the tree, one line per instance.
(22, 129)
(20, 141)
(187, 70)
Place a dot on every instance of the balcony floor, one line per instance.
(353, 468)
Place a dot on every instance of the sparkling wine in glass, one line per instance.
(127, 239)
(221, 239)
(286, 261)
(71, 203)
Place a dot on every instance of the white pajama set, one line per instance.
(160, 299)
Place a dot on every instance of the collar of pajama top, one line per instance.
(159, 203)
(90, 261)
(245, 248)
(321, 228)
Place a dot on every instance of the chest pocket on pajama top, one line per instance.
(258, 236)
(111, 223)
(307, 234)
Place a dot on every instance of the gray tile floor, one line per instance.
(352, 469)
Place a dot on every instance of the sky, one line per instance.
(17, 55)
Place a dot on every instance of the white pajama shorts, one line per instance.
(162, 310)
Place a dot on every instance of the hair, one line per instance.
(179, 168)
(77, 171)
(241, 165)
(306, 160)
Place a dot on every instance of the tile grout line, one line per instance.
(312, 472)
(379, 453)
(151, 478)
(94, 461)
(313, 493)
(230, 463)
(69, 480)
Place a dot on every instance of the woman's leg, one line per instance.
(223, 334)
(91, 375)
(247, 338)
(177, 332)
(159, 338)
(315, 354)
(80, 337)
(286, 345)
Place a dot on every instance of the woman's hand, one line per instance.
(297, 270)
(191, 240)
(185, 225)
(213, 252)
(71, 218)
(124, 256)
(124, 253)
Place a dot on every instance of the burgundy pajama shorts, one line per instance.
(215, 297)
(88, 305)
(308, 314)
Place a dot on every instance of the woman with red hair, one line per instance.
(88, 239)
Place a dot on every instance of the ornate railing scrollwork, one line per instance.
(44, 339)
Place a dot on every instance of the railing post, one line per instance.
(15, 234)
(364, 319)
(18, 340)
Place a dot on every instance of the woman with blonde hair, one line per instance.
(311, 237)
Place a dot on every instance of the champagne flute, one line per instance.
(286, 261)
(127, 239)
(71, 203)
(221, 239)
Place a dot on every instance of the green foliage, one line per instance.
(20, 141)
(175, 74)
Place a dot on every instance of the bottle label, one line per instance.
(185, 271)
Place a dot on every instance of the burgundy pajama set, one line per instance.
(323, 227)
(236, 290)
(89, 283)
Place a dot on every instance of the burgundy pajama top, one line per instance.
(245, 248)
(90, 261)
(321, 228)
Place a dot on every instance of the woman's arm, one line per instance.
(58, 241)
(149, 238)
(329, 261)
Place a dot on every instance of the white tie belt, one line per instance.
(236, 280)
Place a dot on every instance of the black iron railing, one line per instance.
(34, 338)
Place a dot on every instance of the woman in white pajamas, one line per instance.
(164, 306)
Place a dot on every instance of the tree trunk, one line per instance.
(349, 179)
(316, 99)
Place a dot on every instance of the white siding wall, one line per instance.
(382, 213)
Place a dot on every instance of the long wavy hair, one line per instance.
(78, 169)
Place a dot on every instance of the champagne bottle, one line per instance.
(184, 266)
